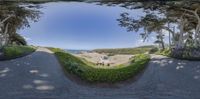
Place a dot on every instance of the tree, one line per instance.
(150, 24)
(14, 16)
(184, 15)
(3, 31)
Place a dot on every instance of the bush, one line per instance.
(76, 66)
(10, 52)
(153, 50)
(55, 49)
(165, 52)
(186, 53)
(189, 53)
(117, 74)
(18, 39)
(71, 64)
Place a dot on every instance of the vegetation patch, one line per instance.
(181, 53)
(11, 52)
(165, 52)
(192, 53)
(111, 75)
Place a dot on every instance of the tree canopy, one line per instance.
(180, 18)
(13, 16)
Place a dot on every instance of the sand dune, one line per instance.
(114, 60)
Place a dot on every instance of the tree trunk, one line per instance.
(4, 32)
(173, 35)
(197, 38)
(197, 34)
(181, 39)
(161, 39)
(163, 45)
(1, 35)
(169, 36)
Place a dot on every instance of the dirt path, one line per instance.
(39, 76)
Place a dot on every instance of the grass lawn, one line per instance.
(82, 69)
(11, 52)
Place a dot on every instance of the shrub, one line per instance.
(18, 39)
(117, 74)
(186, 53)
(71, 63)
(55, 49)
(153, 50)
(10, 52)
(189, 53)
(165, 52)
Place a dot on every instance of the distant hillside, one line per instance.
(76, 51)
(136, 50)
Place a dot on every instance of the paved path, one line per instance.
(39, 76)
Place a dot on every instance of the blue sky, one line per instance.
(76, 25)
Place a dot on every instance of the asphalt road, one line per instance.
(39, 76)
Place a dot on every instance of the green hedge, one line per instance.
(10, 52)
(117, 74)
(76, 66)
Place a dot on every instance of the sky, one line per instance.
(74, 25)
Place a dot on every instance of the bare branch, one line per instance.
(5, 19)
(191, 11)
(6, 29)
(189, 15)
